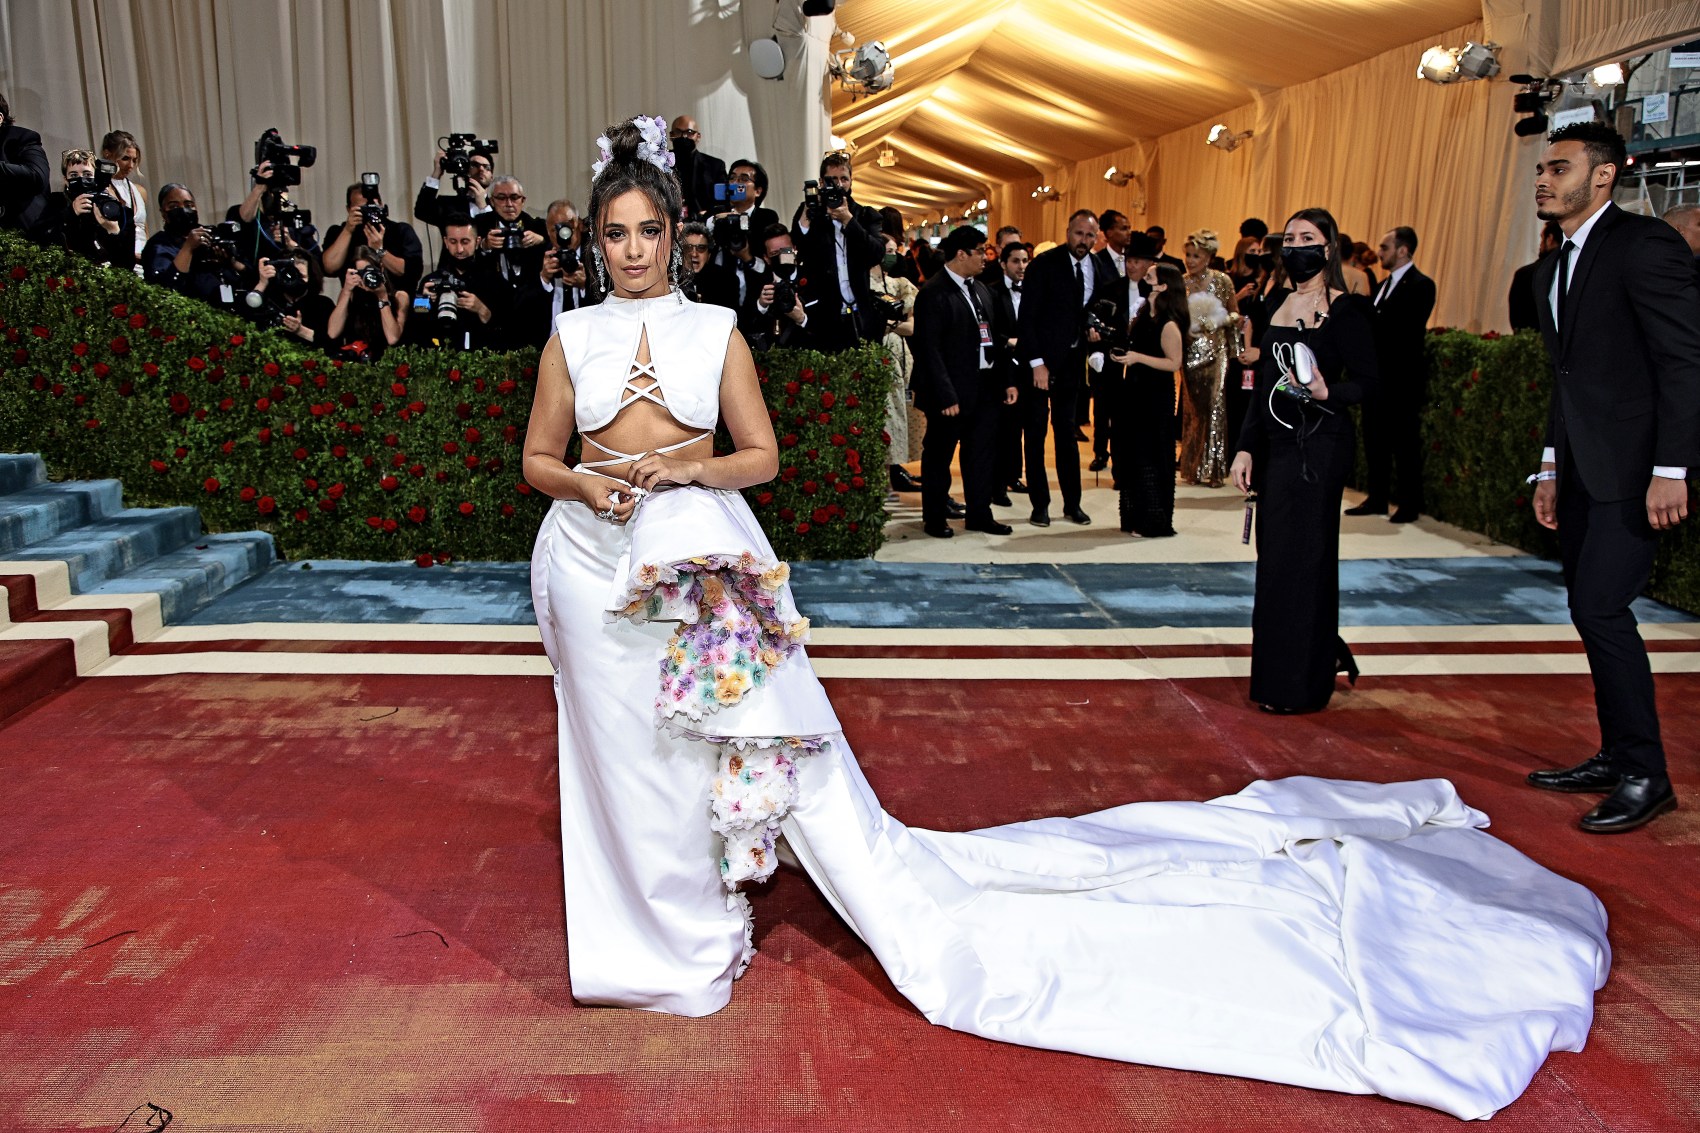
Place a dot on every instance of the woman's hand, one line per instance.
(1318, 387)
(600, 494)
(1122, 358)
(1249, 356)
(1240, 472)
(652, 468)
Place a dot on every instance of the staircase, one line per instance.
(84, 577)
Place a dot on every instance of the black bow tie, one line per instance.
(1016, 286)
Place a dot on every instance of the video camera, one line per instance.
(457, 156)
(372, 213)
(270, 147)
(1101, 317)
(565, 258)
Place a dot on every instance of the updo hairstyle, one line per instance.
(626, 171)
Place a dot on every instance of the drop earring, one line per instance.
(601, 271)
(676, 270)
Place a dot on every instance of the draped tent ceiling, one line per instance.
(1001, 91)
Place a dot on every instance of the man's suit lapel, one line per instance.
(1545, 272)
(1576, 294)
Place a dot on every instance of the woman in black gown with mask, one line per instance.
(1297, 451)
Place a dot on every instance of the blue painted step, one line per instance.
(33, 514)
(20, 470)
(116, 544)
(188, 578)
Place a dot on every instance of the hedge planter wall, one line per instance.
(414, 457)
(1487, 415)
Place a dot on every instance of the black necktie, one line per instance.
(1079, 285)
(1563, 278)
(1386, 289)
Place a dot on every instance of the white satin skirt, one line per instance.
(1357, 937)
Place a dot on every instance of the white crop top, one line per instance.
(687, 352)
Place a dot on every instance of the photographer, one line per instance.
(776, 315)
(471, 166)
(289, 296)
(368, 224)
(742, 216)
(122, 150)
(840, 242)
(698, 172)
(84, 217)
(24, 177)
(695, 251)
(509, 235)
(562, 284)
(464, 304)
(370, 314)
(188, 257)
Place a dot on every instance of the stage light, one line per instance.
(887, 157)
(1117, 178)
(1046, 193)
(1224, 139)
(980, 205)
(866, 70)
(1459, 64)
(1607, 75)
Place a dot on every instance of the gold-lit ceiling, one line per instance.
(995, 91)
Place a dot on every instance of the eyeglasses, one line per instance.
(684, 133)
(504, 198)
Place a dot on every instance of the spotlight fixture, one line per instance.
(1459, 64)
(887, 157)
(1607, 75)
(980, 205)
(1117, 178)
(1046, 193)
(866, 70)
(1224, 139)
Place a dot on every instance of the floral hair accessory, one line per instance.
(653, 148)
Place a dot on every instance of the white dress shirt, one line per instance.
(1014, 288)
(1391, 282)
(1088, 275)
(1548, 455)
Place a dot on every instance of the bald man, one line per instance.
(698, 172)
(1686, 220)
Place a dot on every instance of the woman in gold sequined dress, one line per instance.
(1210, 295)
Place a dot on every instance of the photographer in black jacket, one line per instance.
(465, 304)
(24, 177)
(435, 210)
(369, 225)
(562, 284)
(188, 257)
(840, 242)
(511, 238)
(85, 217)
(775, 313)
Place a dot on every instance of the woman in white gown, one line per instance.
(1359, 937)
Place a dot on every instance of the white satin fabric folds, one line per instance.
(1357, 937)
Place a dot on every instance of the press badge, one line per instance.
(985, 333)
(1248, 378)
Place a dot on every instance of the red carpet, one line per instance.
(292, 903)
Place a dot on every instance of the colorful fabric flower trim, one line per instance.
(736, 625)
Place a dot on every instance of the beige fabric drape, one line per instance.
(374, 83)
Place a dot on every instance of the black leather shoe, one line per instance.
(1099, 463)
(1080, 436)
(1041, 517)
(1019, 487)
(1077, 516)
(901, 481)
(954, 510)
(992, 527)
(1637, 801)
(942, 531)
(1403, 515)
(1002, 500)
(1368, 507)
(1597, 773)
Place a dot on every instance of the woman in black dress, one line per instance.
(1296, 449)
(1143, 447)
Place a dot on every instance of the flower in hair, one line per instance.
(607, 150)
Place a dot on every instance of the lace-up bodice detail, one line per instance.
(686, 353)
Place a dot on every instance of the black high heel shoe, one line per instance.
(1344, 662)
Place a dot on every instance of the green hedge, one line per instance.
(1487, 413)
(414, 457)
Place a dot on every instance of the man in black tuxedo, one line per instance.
(958, 384)
(1005, 289)
(839, 247)
(1393, 419)
(1523, 307)
(1617, 312)
(561, 284)
(1115, 229)
(25, 176)
(698, 172)
(1118, 301)
(1162, 238)
(1054, 337)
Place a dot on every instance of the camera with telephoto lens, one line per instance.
(1101, 317)
(513, 236)
(832, 196)
(371, 276)
(731, 232)
(444, 288)
(784, 288)
(108, 207)
(221, 239)
(565, 258)
(457, 156)
(271, 147)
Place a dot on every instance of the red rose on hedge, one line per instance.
(327, 505)
(802, 529)
(789, 440)
(247, 494)
(150, 369)
(507, 509)
(507, 386)
(423, 560)
(398, 389)
(472, 436)
(266, 504)
(158, 465)
(374, 521)
(197, 364)
(466, 507)
(210, 484)
(227, 447)
(492, 410)
(401, 371)
(41, 332)
(389, 483)
(810, 487)
(450, 447)
(138, 320)
(263, 404)
(764, 498)
(20, 274)
(416, 514)
(523, 488)
(119, 345)
(299, 454)
(180, 403)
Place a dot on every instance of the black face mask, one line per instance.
(1258, 261)
(1304, 261)
(180, 222)
(684, 148)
